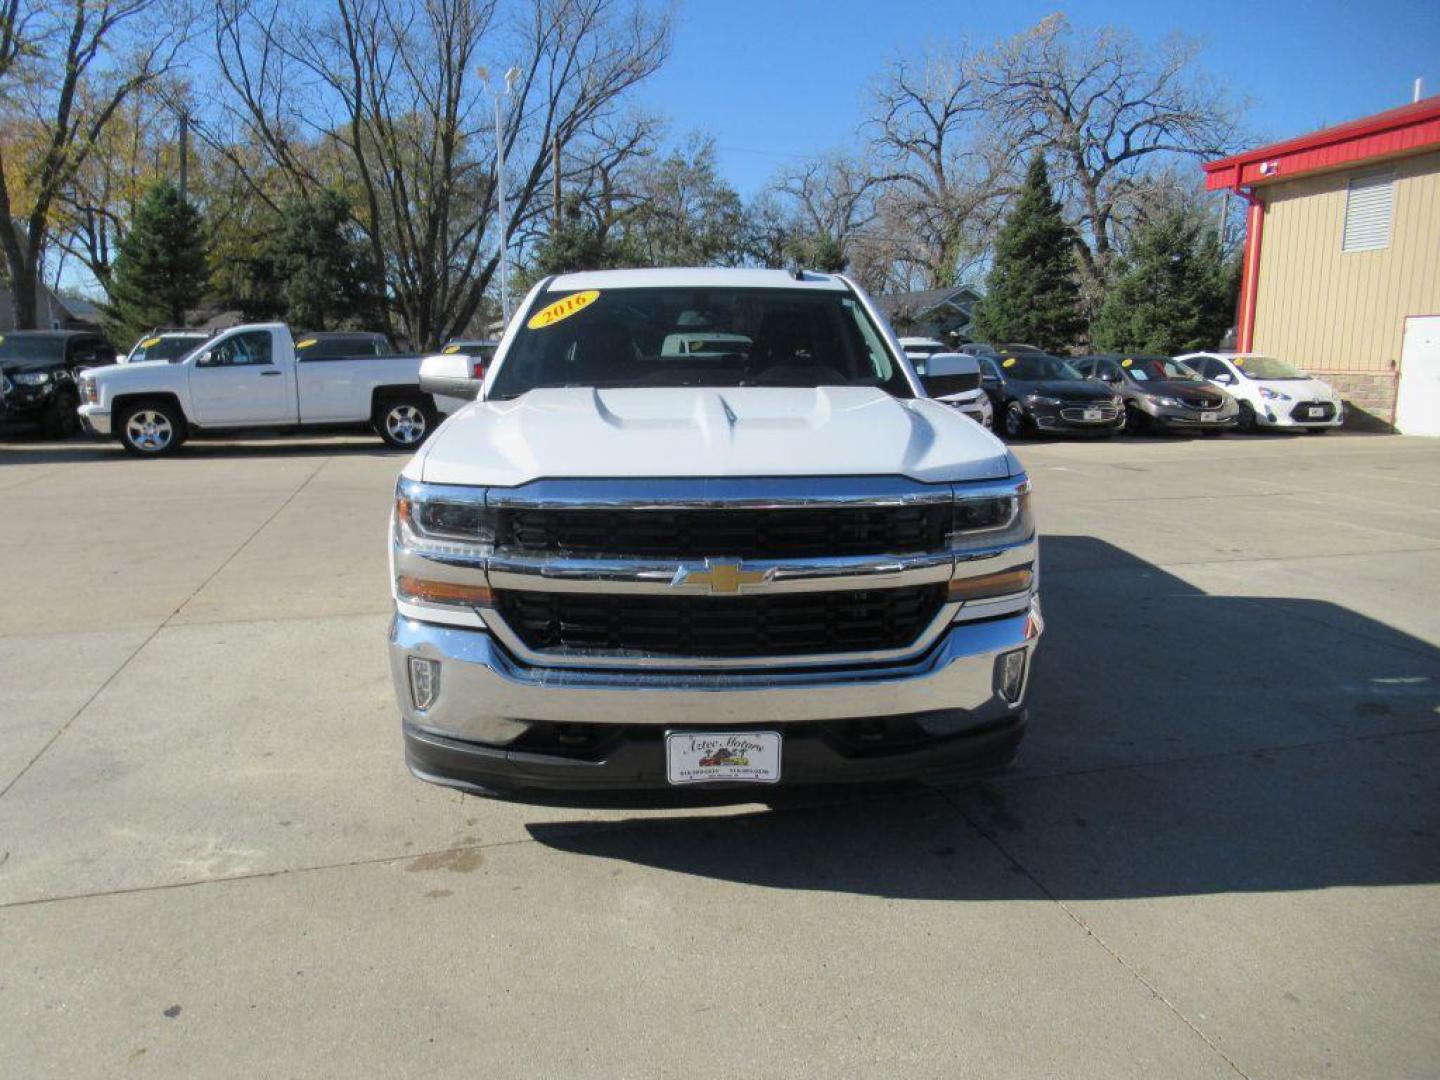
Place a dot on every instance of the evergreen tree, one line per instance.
(160, 271)
(1032, 294)
(819, 251)
(579, 244)
(1175, 293)
(324, 271)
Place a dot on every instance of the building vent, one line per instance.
(1368, 205)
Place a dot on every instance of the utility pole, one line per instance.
(555, 168)
(184, 153)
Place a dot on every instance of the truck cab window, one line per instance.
(241, 350)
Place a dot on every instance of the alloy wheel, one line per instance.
(149, 431)
(406, 424)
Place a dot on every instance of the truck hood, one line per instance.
(678, 432)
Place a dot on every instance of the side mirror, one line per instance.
(950, 373)
(452, 375)
(1225, 377)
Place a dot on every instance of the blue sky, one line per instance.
(777, 81)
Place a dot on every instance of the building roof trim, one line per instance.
(1407, 129)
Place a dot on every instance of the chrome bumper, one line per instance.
(95, 419)
(487, 696)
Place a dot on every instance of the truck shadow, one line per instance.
(1181, 743)
(25, 450)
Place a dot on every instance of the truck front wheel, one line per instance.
(405, 422)
(151, 428)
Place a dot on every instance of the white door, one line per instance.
(236, 381)
(1417, 409)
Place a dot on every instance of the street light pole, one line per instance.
(510, 76)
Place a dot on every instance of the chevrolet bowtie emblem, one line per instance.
(720, 577)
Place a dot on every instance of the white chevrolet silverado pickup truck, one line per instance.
(255, 377)
(704, 527)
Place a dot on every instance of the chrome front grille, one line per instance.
(787, 624)
(1076, 413)
(738, 532)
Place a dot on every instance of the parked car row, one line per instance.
(1028, 392)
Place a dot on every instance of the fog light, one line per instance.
(1012, 675)
(424, 682)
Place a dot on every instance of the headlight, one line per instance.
(992, 516)
(1041, 399)
(1273, 395)
(32, 378)
(1161, 399)
(89, 391)
(443, 522)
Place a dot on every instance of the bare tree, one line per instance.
(382, 97)
(1109, 112)
(945, 172)
(66, 69)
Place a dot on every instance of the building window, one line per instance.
(1369, 201)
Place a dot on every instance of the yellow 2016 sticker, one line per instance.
(450, 350)
(563, 309)
(1009, 362)
(1238, 361)
(306, 343)
(1126, 362)
(150, 343)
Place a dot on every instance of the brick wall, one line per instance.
(1369, 396)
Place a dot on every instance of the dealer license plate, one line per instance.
(1315, 410)
(1092, 414)
(1209, 417)
(698, 757)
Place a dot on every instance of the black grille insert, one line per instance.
(785, 624)
(801, 532)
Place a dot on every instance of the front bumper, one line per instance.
(498, 724)
(26, 405)
(1186, 419)
(1068, 418)
(1295, 414)
(95, 420)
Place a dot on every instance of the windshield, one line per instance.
(31, 347)
(660, 337)
(165, 348)
(1146, 369)
(1266, 367)
(1037, 367)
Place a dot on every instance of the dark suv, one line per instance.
(1035, 393)
(37, 376)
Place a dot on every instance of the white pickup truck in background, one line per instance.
(256, 377)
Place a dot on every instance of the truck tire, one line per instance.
(61, 419)
(405, 422)
(150, 428)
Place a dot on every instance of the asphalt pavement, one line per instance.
(1219, 853)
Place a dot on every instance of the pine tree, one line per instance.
(160, 271)
(1174, 294)
(1032, 294)
(323, 270)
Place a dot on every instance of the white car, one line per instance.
(1271, 393)
(255, 377)
(950, 377)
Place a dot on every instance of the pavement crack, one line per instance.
(1079, 921)
(55, 736)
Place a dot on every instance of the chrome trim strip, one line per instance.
(735, 493)
(666, 577)
(593, 660)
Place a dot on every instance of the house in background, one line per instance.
(942, 314)
(53, 311)
(1342, 259)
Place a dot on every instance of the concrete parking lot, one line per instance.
(1219, 854)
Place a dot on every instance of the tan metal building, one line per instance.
(1342, 256)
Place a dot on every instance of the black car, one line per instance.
(37, 376)
(1035, 393)
(1162, 394)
